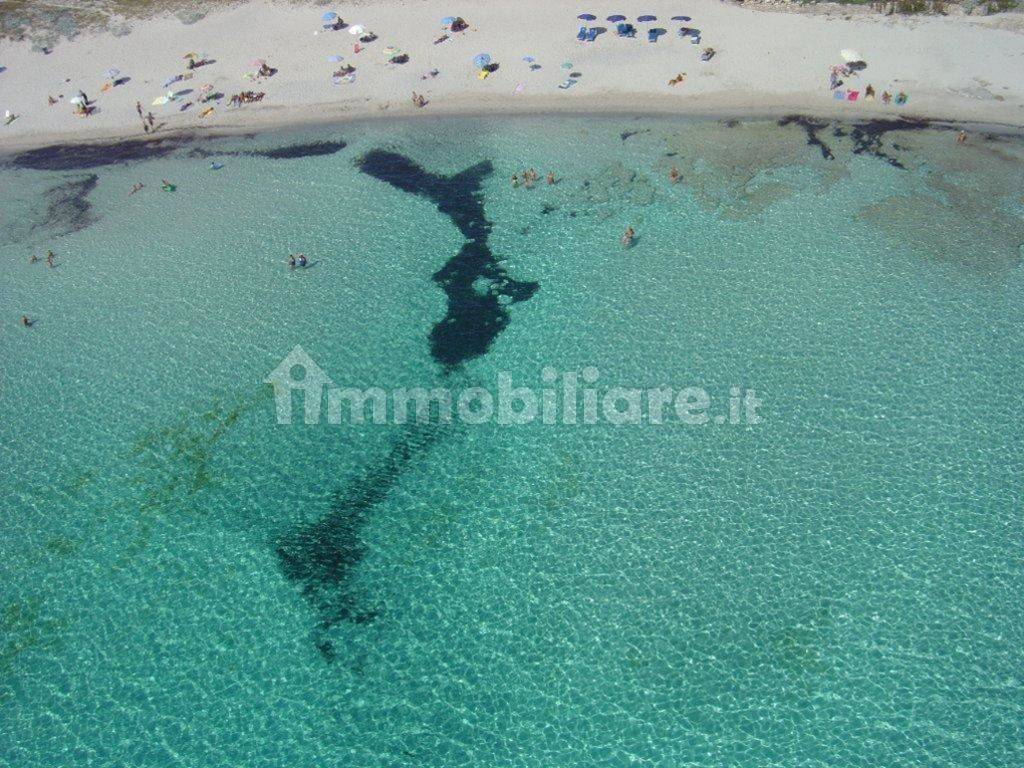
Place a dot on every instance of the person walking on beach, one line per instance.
(150, 119)
(138, 108)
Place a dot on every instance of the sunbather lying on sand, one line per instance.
(677, 79)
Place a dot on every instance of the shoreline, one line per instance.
(185, 135)
(768, 65)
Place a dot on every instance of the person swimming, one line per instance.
(33, 259)
(627, 237)
(515, 181)
(673, 175)
(551, 177)
(291, 261)
(25, 321)
(136, 187)
(167, 186)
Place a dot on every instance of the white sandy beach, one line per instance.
(767, 63)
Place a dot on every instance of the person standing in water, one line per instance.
(627, 237)
(49, 260)
(302, 260)
(551, 177)
(673, 175)
(291, 261)
(25, 321)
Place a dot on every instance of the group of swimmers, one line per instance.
(297, 261)
(529, 177)
(49, 259)
(26, 321)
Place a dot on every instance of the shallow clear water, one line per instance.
(838, 584)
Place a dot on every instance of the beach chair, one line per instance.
(652, 36)
(625, 30)
(592, 34)
(582, 34)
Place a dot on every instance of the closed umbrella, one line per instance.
(481, 60)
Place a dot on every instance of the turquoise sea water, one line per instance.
(837, 585)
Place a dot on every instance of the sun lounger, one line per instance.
(652, 36)
(625, 30)
(582, 34)
(592, 34)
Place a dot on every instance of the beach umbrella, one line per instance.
(160, 101)
(850, 55)
(328, 16)
(206, 88)
(617, 17)
(529, 59)
(334, 58)
(481, 60)
(447, 21)
(587, 17)
(190, 55)
(77, 100)
(648, 17)
(111, 73)
(257, 63)
(681, 18)
(391, 51)
(356, 29)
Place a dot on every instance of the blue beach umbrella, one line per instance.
(111, 73)
(681, 18)
(587, 17)
(481, 60)
(447, 21)
(617, 17)
(329, 16)
(648, 17)
(335, 58)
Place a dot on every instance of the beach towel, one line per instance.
(852, 95)
(839, 95)
(567, 84)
